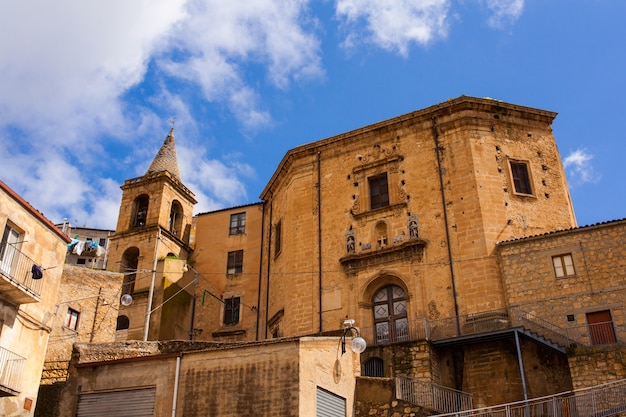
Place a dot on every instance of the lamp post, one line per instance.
(146, 326)
(358, 344)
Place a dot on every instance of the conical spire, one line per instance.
(166, 159)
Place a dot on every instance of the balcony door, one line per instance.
(601, 328)
(8, 249)
(390, 316)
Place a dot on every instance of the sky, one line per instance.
(90, 89)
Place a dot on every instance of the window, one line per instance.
(175, 222)
(103, 242)
(237, 223)
(390, 318)
(71, 319)
(379, 191)
(601, 329)
(123, 323)
(278, 238)
(521, 177)
(563, 265)
(81, 261)
(235, 262)
(8, 248)
(374, 367)
(141, 211)
(231, 310)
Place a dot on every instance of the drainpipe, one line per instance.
(269, 261)
(445, 220)
(319, 234)
(521, 365)
(258, 301)
(176, 378)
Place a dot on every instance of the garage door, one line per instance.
(127, 403)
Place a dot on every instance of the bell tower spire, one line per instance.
(166, 159)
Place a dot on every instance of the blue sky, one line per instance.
(88, 89)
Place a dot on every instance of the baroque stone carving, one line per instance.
(413, 229)
(351, 240)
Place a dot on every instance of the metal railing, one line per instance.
(11, 367)
(431, 395)
(599, 401)
(16, 267)
(489, 321)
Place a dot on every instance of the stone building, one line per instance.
(282, 378)
(32, 253)
(434, 231)
(86, 312)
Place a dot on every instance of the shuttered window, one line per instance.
(329, 404)
(136, 403)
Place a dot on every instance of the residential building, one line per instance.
(32, 254)
(89, 247)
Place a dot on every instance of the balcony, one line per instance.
(11, 367)
(16, 278)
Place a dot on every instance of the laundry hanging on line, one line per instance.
(91, 247)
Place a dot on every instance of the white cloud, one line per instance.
(223, 41)
(504, 12)
(393, 24)
(579, 168)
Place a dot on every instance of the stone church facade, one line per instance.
(424, 229)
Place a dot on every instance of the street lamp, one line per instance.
(358, 344)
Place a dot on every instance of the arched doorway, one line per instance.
(390, 315)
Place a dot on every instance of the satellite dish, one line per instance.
(126, 300)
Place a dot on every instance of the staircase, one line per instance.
(600, 401)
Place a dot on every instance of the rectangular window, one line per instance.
(235, 262)
(521, 177)
(237, 223)
(8, 248)
(563, 265)
(379, 191)
(71, 319)
(103, 242)
(81, 261)
(278, 237)
(231, 310)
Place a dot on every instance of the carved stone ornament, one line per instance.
(413, 229)
(351, 240)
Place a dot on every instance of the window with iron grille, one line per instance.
(237, 223)
(235, 262)
(231, 310)
(379, 191)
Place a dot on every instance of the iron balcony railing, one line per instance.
(599, 401)
(431, 395)
(17, 268)
(405, 330)
(11, 367)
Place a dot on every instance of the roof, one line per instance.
(564, 231)
(166, 159)
(32, 210)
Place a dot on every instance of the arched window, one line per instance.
(141, 211)
(130, 260)
(176, 218)
(390, 316)
(123, 323)
(374, 367)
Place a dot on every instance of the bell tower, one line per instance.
(152, 234)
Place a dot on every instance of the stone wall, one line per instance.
(376, 397)
(597, 365)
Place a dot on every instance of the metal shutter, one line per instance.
(329, 404)
(129, 403)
